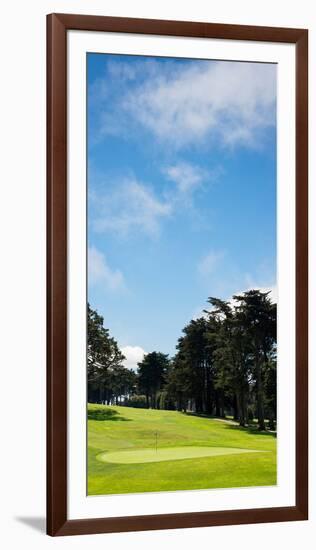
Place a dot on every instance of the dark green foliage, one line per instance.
(136, 401)
(108, 379)
(257, 315)
(152, 371)
(103, 415)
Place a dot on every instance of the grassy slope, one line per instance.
(119, 428)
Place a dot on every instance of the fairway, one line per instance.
(193, 452)
(171, 453)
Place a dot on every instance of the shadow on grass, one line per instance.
(231, 425)
(199, 415)
(106, 414)
(253, 430)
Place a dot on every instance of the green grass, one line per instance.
(190, 448)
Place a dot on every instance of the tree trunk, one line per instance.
(271, 423)
(241, 409)
(235, 407)
(221, 405)
(217, 404)
(100, 393)
(208, 407)
(260, 407)
(199, 404)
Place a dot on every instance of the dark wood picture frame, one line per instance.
(57, 27)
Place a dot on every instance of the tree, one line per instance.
(103, 355)
(152, 371)
(257, 314)
(193, 353)
(230, 351)
(270, 386)
(178, 384)
(121, 383)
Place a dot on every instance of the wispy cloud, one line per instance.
(187, 183)
(132, 206)
(209, 263)
(227, 103)
(186, 176)
(133, 355)
(140, 69)
(99, 272)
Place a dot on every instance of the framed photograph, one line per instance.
(176, 273)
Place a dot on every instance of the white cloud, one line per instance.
(133, 206)
(187, 177)
(209, 263)
(133, 355)
(99, 271)
(122, 70)
(125, 71)
(190, 177)
(127, 205)
(229, 101)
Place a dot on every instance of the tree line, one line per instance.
(225, 364)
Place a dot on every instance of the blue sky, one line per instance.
(181, 191)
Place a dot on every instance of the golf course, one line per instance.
(135, 450)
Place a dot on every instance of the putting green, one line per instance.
(171, 453)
